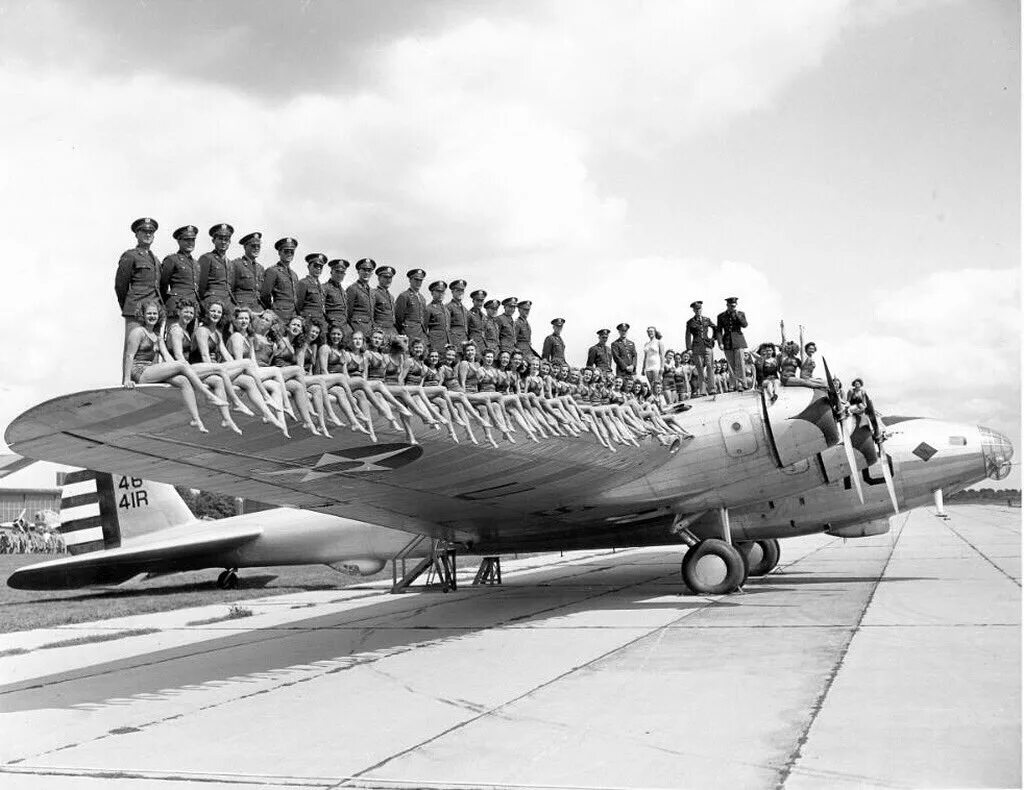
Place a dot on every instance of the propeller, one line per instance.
(883, 456)
(843, 417)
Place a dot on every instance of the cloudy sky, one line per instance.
(850, 166)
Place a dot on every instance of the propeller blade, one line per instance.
(887, 474)
(851, 460)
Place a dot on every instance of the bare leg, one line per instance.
(189, 396)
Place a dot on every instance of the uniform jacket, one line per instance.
(216, 278)
(178, 279)
(278, 291)
(730, 328)
(700, 333)
(458, 322)
(524, 337)
(248, 279)
(600, 356)
(336, 305)
(476, 319)
(506, 333)
(554, 349)
(383, 309)
(411, 314)
(360, 306)
(137, 279)
(438, 326)
(309, 298)
(492, 333)
(624, 354)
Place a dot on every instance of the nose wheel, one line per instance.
(228, 580)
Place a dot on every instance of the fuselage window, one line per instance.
(957, 441)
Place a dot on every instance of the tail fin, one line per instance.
(98, 510)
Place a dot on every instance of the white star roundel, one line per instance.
(357, 460)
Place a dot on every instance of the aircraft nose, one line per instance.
(998, 452)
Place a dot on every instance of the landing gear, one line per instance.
(713, 567)
(228, 580)
(761, 555)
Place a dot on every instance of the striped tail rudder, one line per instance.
(88, 511)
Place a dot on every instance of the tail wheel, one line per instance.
(763, 556)
(228, 580)
(713, 567)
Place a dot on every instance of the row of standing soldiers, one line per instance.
(361, 306)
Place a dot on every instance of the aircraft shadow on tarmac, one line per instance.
(396, 624)
(344, 640)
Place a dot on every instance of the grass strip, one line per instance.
(88, 640)
(234, 613)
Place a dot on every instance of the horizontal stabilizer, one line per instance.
(114, 566)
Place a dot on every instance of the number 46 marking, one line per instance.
(132, 498)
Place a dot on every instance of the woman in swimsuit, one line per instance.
(487, 399)
(654, 355)
(144, 349)
(331, 380)
(375, 363)
(179, 342)
(396, 366)
(684, 374)
(264, 385)
(668, 377)
(287, 355)
(439, 398)
(508, 384)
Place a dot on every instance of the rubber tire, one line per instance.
(770, 554)
(231, 581)
(727, 554)
(222, 580)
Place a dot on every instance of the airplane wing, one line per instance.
(11, 463)
(437, 488)
(459, 492)
(114, 566)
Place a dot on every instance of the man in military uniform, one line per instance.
(411, 308)
(360, 298)
(624, 353)
(280, 283)
(700, 342)
(507, 325)
(309, 292)
(458, 320)
(138, 274)
(554, 346)
(730, 326)
(335, 300)
(248, 273)
(384, 303)
(178, 272)
(216, 275)
(492, 332)
(599, 355)
(524, 332)
(476, 319)
(438, 318)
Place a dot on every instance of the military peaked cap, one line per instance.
(416, 274)
(316, 257)
(145, 223)
(385, 271)
(335, 262)
(623, 327)
(366, 263)
(285, 243)
(557, 322)
(458, 285)
(511, 300)
(438, 285)
(185, 231)
(492, 304)
(479, 293)
(698, 303)
(222, 229)
(248, 238)
(526, 303)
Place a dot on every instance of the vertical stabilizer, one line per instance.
(99, 510)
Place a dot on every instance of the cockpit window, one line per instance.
(957, 441)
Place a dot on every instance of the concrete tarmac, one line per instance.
(882, 662)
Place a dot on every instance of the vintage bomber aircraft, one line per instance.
(740, 450)
(120, 526)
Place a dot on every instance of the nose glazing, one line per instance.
(998, 452)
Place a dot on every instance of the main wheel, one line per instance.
(222, 580)
(763, 556)
(231, 580)
(713, 567)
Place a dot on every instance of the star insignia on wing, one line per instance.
(357, 460)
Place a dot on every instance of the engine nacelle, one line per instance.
(877, 526)
(359, 567)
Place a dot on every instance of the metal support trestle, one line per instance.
(440, 560)
(489, 571)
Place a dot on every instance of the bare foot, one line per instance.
(198, 425)
(230, 424)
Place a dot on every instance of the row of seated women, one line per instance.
(252, 365)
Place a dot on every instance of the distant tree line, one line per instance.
(205, 504)
(986, 495)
